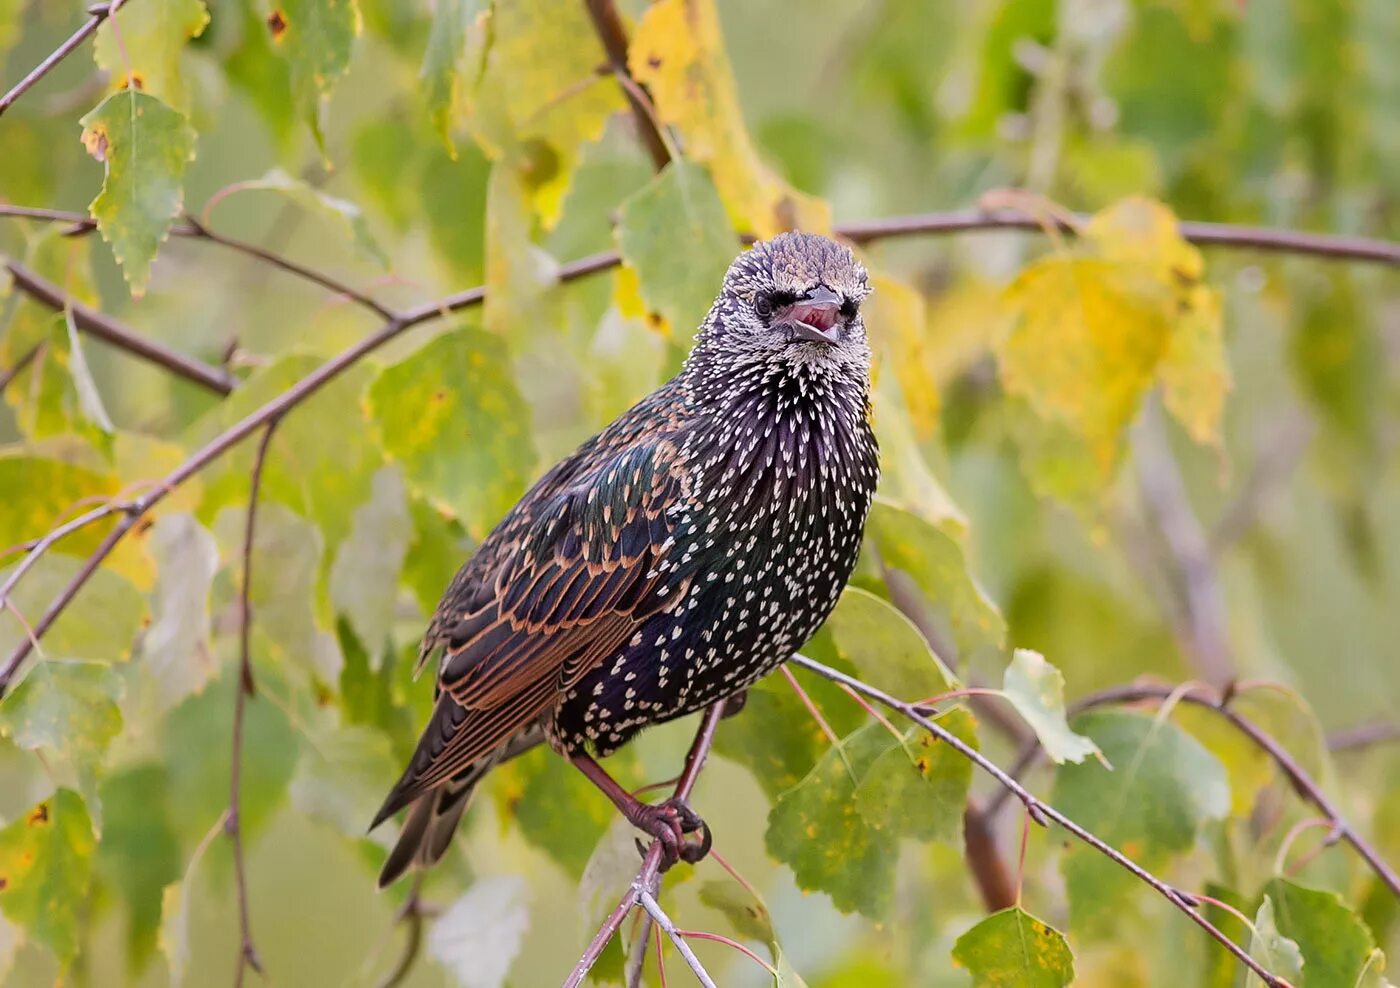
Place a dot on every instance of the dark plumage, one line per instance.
(669, 562)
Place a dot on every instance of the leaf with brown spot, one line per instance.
(46, 864)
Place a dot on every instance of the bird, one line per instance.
(669, 562)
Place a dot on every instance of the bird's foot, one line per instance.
(735, 704)
(670, 823)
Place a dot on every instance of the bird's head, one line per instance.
(794, 300)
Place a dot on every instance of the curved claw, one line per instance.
(669, 823)
(693, 852)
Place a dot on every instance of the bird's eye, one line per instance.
(763, 305)
(849, 308)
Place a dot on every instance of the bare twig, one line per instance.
(80, 224)
(96, 15)
(649, 903)
(648, 878)
(1356, 738)
(1201, 628)
(39, 546)
(17, 368)
(1303, 783)
(266, 413)
(1272, 466)
(199, 231)
(411, 916)
(994, 882)
(1042, 812)
(247, 951)
(1265, 239)
(613, 35)
(105, 328)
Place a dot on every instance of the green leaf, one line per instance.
(1335, 944)
(611, 868)
(10, 940)
(195, 738)
(365, 575)
(1013, 949)
(1037, 690)
(143, 42)
(674, 233)
(38, 490)
(885, 648)
(341, 213)
(174, 933)
(316, 37)
(341, 775)
(176, 656)
(938, 565)
(67, 710)
(368, 691)
(89, 398)
(750, 918)
(451, 416)
(816, 829)
(45, 870)
(479, 936)
(443, 70)
(1164, 786)
(555, 807)
(919, 789)
(145, 147)
(122, 606)
(343, 472)
(140, 851)
(1269, 947)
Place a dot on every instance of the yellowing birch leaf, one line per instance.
(678, 52)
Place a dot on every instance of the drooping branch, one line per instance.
(190, 228)
(272, 410)
(243, 690)
(109, 330)
(97, 13)
(1298, 777)
(1042, 812)
(648, 878)
(613, 35)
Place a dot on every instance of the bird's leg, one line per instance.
(668, 822)
(735, 703)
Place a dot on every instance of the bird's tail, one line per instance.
(431, 821)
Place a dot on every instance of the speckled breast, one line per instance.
(768, 536)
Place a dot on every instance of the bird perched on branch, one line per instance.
(671, 561)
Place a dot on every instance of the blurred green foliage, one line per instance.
(416, 150)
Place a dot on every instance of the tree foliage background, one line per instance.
(1146, 463)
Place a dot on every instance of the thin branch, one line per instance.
(191, 228)
(1042, 812)
(637, 958)
(1274, 463)
(649, 903)
(15, 370)
(96, 15)
(199, 231)
(411, 915)
(1303, 783)
(1265, 239)
(38, 547)
(984, 860)
(247, 951)
(104, 327)
(1201, 629)
(648, 878)
(260, 417)
(1357, 738)
(613, 36)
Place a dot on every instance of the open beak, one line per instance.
(815, 317)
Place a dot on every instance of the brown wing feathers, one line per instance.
(571, 586)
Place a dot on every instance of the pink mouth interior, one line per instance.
(819, 315)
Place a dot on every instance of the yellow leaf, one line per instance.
(540, 98)
(962, 323)
(895, 319)
(627, 296)
(678, 52)
(1085, 345)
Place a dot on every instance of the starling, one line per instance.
(671, 561)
